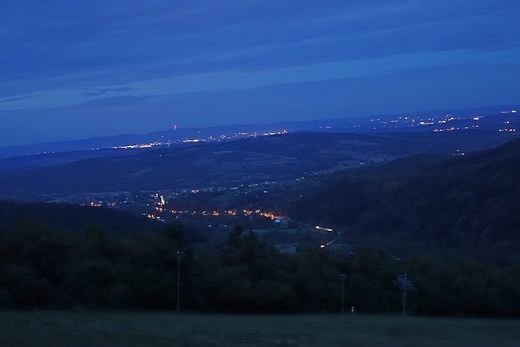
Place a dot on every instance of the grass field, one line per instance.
(57, 328)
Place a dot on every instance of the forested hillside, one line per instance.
(42, 267)
(71, 217)
(448, 204)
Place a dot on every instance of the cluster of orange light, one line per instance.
(269, 215)
(210, 213)
(204, 213)
(226, 212)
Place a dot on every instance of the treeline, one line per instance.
(43, 267)
(71, 217)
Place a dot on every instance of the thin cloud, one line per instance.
(105, 91)
(17, 98)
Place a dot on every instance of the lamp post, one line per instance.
(343, 293)
(179, 253)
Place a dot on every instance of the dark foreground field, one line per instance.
(54, 328)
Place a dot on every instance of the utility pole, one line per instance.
(179, 253)
(461, 312)
(404, 294)
(406, 285)
(343, 293)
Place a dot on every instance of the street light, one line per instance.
(179, 253)
(343, 293)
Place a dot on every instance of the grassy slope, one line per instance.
(52, 328)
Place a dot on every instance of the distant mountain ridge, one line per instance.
(377, 123)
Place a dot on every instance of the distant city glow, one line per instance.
(239, 135)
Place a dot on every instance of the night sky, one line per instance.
(77, 69)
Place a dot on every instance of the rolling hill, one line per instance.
(468, 203)
(252, 160)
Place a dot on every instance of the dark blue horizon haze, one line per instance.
(77, 69)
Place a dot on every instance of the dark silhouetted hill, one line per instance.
(423, 202)
(71, 217)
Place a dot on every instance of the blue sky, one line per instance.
(77, 69)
